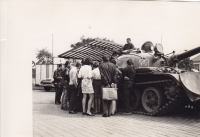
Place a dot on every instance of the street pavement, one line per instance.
(50, 121)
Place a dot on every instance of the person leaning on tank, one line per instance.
(58, 83)
(128, 80)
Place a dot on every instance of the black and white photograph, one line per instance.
(100, 68)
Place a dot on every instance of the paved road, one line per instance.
(50, 121)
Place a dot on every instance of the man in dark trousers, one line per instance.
(73, 87)
(58, 83)
(107, 72)
(117, 79)
(66, 95)
(129, 75)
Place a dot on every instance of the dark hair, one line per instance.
(66, 63)
(128, 39)
(78, 64)
(59, 65)
(130, 62)
(87, 61)
(113, 61)
(105, 58)
(95, 64)
(82, 61)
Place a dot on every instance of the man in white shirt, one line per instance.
(73, 84)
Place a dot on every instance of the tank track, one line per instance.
(179, 99)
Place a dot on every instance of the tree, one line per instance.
(44, 57)
(43, 52)
(84, 41)
(186, 64)
(105, 39)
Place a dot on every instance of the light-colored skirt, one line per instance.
(113, 107)
(87, 87)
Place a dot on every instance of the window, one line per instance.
(196, 66)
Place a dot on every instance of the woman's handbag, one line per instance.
(109, 94)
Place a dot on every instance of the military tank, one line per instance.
(160, 86)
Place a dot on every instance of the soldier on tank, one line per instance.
(125, 49)
(147, 46)
(128, 45)
(58, 83)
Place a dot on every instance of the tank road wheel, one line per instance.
(152, 99)
(171, 91)
(135, 99)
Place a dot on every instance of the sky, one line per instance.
(176, 24)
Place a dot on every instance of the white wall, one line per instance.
(197, 63)
(57, 60)
(41, 72)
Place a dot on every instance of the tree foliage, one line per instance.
(186, 64)
(44, 56)
(43, 53)
(83, 41)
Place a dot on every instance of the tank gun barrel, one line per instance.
(176, 58)
(188, 53)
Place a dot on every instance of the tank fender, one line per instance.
(175, 77)
(191, 84)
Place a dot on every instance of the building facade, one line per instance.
(196, 62)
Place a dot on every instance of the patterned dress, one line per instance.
(86, 74)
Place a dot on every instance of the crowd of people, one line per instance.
(78, 80)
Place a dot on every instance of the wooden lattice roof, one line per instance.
(95, 50)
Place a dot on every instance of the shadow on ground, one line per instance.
(42, 88)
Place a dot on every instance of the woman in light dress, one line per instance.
(86, 74)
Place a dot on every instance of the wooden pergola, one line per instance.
(95, 50)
